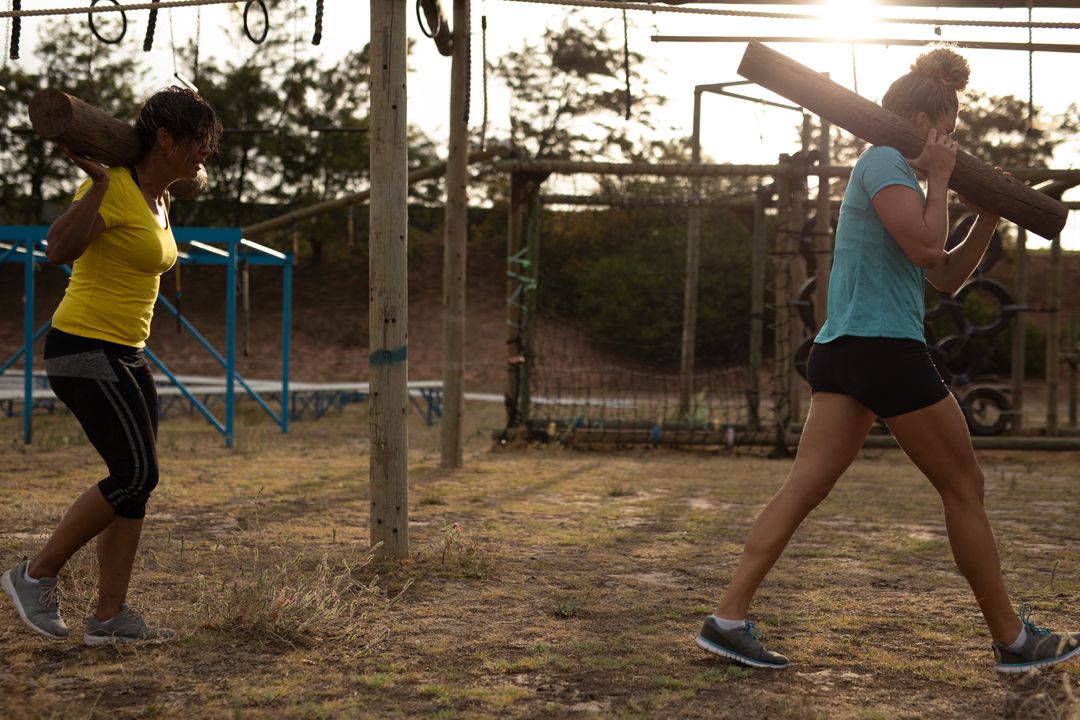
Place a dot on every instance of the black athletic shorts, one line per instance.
(890, 376)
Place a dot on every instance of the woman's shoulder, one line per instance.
(881, 153)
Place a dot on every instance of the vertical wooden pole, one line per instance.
(795, 264)
(514, 299)
(690, 292)
(455, 246)
(782, 352)
(1072, 355)
(532, 289)
(758, 259)
(823, 229)
(388, 295)
(1053, 338)
(1019, 338)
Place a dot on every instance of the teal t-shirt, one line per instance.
(874, 289)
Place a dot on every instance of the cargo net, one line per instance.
(603, 359)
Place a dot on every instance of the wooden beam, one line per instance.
(972, 178)
(86, 130)
(779, 40)
(1021, 4)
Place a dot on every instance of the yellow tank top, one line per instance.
(114, 285)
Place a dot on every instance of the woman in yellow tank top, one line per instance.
(118, 237)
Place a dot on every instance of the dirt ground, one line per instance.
(542, 583)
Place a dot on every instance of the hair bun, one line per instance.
(945, 65)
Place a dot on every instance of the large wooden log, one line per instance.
(972, 178)
(86, 130)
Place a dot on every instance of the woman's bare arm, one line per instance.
(73, 232)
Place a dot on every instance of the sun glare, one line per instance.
(849, 18)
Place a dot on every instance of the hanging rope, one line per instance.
(198, 36)
(317, 37)
(151, 25)
(483, 45)
(16, 30)
(466, 35)
(1031, 77)
(614, 5)
(626, 61)
(17, 13)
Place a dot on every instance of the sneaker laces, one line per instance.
(50, 597)
(752, 631)
(1025, 617)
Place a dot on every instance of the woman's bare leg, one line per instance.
(116, 548)
(936, 439)
(836, 426)
(87, 516)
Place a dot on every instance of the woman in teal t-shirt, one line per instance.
(870, 360)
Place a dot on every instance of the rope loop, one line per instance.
(123, 25)
(266, 21)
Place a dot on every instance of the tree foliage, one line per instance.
(569, 95)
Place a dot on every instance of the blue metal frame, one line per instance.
(29, 239)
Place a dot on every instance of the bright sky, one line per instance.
(732, 130)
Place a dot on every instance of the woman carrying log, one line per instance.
(870, 360)
(118, 237)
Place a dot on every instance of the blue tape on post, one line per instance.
(389, 357)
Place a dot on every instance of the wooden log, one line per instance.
(86, 130)
(972, 178)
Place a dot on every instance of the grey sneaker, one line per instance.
(126, 626)
(741, 645)
(1041, 648)
(38, 604)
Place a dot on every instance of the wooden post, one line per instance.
(455, 246)
(758, 259)
(515, 300)
(86, 130)
(823, 245)
(1053, 338)
(796, 267)
(1019, 338)
(530, 298)
(388, 302)
(782, 352)
(690, 290)
(1072, 357)
(972, 178)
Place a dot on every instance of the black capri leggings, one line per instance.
(109, 388)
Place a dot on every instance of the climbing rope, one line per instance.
(151, 25)
(626, 61)
(483, 45)
(16, 30)
(317, 37)
(614, 5)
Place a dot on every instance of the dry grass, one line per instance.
(543, 583)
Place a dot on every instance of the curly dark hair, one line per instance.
(181, 111)
(936, 77)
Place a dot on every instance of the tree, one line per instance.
(566, 89)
